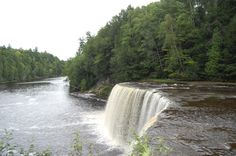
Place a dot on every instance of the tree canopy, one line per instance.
(24, 65)
(180, 39)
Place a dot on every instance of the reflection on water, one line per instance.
(43, 113)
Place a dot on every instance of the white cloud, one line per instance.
(55, 25)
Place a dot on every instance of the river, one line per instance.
(194, 118)
(191, 118)
(202, 120)
(44, 114)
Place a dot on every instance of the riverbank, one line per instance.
(101, 91)
(30, 80)
(89, 96)
(44, 111)
(198, 117)
(159, 81)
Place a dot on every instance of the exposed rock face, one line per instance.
(203, 121)
(196, 118)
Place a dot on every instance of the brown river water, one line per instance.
(201, 122)
(200, 118)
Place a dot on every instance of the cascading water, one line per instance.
(130, 109)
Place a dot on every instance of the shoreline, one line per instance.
(88, 96)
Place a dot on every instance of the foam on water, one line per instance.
(131, 109)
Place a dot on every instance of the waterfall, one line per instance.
(131, 109)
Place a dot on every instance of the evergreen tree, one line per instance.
(181, 39)
(214, 56)
(25, 65)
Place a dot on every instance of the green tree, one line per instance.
(166, 39)
(174, 59)
(25, 65)
(214, 56)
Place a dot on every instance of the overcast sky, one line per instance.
(56, 25)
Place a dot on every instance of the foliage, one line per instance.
(77, 146)
(91, 150)
(32, 151)
(142, 147)
(24, 65)
(102, 90)
(7, 147)
(180, 39)
(214, 56)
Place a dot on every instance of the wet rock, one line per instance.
(202, 122)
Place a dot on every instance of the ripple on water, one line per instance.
(202, 123)
(46, 113)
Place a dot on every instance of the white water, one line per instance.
(130, 109)
(44, 114)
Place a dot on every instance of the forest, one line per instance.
(174, 39)
(25, 65)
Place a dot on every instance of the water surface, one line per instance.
(43, 113)
(201, 122)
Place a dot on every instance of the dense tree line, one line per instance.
(24, 65)
(179, 39)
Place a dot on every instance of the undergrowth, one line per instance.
(140, 147)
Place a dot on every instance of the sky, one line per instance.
(55, 26)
